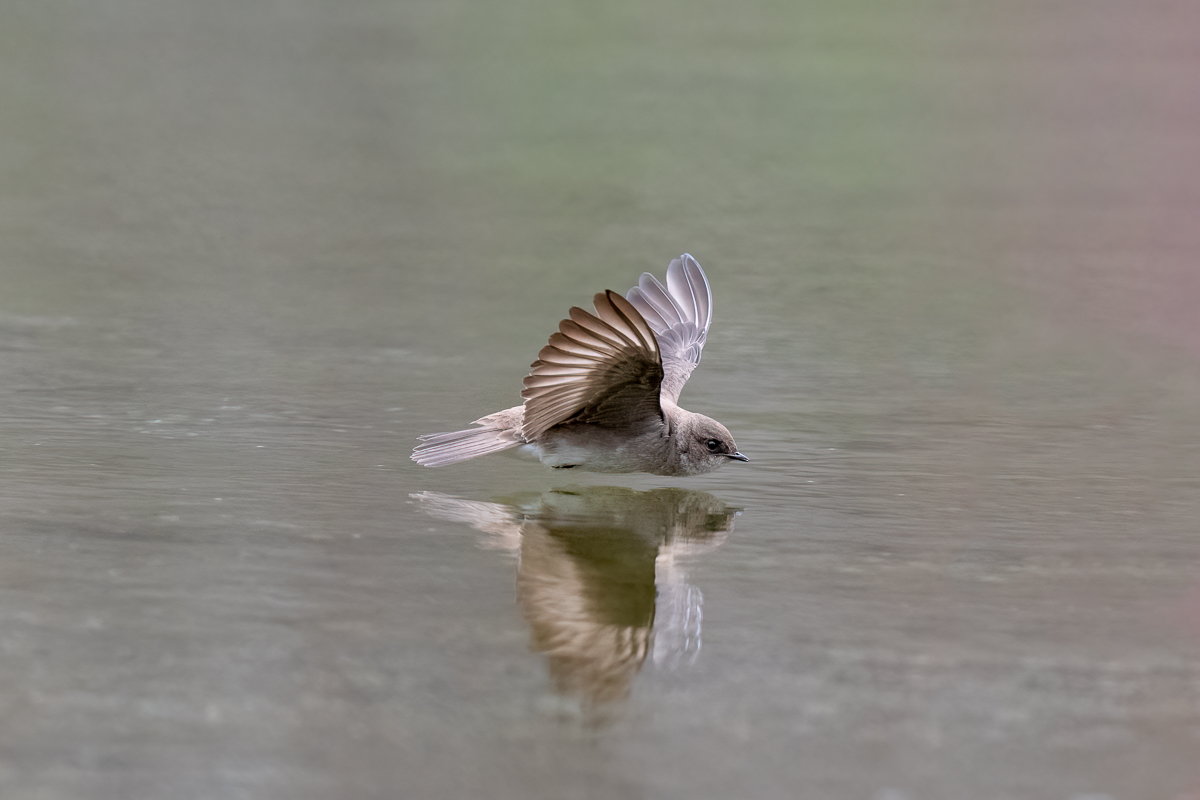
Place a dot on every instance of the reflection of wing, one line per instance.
(680, 314)
(589, 608)
(677, 616)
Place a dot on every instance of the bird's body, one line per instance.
(602, 394)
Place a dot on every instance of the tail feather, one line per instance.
(440, 449)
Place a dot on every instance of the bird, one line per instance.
(603, 394)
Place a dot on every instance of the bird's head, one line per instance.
(704, 444)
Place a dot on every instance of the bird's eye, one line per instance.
(713, 446)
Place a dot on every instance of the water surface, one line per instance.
(250, 252)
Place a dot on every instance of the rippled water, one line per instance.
(250, 252)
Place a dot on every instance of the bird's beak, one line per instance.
(736, 456)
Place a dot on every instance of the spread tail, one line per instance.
(498, 432)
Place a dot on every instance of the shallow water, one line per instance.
(250, 252)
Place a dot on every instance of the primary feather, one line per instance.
(680, 314)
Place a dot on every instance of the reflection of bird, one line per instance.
(598, 581)
(588, 596)
(602, 395)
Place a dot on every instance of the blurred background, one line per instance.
(248, 251)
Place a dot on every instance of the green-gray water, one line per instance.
(249, 251)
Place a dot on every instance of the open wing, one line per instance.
(679, 314)
(603, 369)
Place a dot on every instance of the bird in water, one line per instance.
(603, 394)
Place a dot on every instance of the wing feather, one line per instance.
(680, 314)
(601, 368)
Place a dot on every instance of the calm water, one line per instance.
(248, 252)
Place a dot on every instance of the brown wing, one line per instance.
(603, 370)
